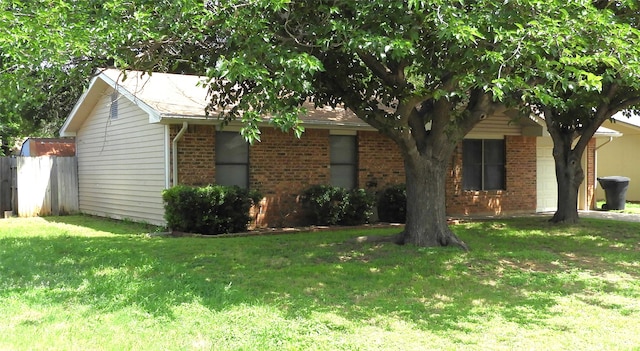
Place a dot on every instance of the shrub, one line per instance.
(329, 205)
(212, 209)
(359, 207)
(392, 204)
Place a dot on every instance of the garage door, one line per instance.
(547, 187)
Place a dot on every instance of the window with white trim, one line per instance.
(232, 159)
(483, 164)
(343, 152)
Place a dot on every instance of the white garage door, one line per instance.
(547, 187)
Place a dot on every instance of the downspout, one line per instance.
(167, 156)
(174, 151)
(595, 165)
(605, 143)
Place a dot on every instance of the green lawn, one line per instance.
(79, 283)
(629, 207)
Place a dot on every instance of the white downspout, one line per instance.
(605, 143)
(174, 151)
(167, 156)
(595, 165)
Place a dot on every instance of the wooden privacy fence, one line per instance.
(7, 184)
(39, 186)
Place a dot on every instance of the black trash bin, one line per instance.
(615, 189)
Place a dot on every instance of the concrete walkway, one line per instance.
(614, 216)
(624, 217)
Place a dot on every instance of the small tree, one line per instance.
(580, 82)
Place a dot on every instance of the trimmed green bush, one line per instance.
(392, 204)
(359, 208)
(329, 205)
(210, 210)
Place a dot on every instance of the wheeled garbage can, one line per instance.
(615, 189)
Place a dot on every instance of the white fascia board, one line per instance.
(177, 119)
(154, 116)
(74, 111)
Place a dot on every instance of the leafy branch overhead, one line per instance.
(382, 59)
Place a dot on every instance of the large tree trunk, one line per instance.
(569, 176)
(426, 223)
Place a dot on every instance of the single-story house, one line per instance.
(616, 156)
(140, 135)
(48, 147)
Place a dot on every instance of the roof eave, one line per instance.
(89, 98)
(208, 120)
(67, 128)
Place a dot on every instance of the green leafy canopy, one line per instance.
(379, 58)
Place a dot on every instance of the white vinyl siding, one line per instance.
(495, 127)
(121, 162)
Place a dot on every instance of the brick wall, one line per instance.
(281, 166)
(519, 194)
(196, 154)
(379, 162)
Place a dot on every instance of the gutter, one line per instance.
(174, 151)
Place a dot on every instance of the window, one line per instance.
(483, 164)
(113, 108)
(232, 159)
(344, 164)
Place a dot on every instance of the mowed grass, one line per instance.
(629, 207)
(80, 283)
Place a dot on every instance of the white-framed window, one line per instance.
(483, 164)
(232, 159)
(343, 152)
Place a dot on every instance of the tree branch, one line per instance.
(623, 105)
(393, 78)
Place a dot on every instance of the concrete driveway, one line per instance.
(624, 217)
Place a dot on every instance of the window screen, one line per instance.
(483, 164)
(344, 161)
(232, 159)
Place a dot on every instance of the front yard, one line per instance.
(629, 207)
(84, 283)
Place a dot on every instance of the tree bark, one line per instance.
(426, 223)
(569, 176)
(569, 172)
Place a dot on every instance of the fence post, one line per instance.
(5, 184)
(14, 185)
(53, 187)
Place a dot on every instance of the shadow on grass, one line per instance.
(510, 275)
(595, 245)
(107, 225)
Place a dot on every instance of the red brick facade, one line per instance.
(379, 162)
(519, 194)
(196, 155)
(282, 166)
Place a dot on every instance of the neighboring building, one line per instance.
(48, 147)
(140, 135)
(617, 156)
